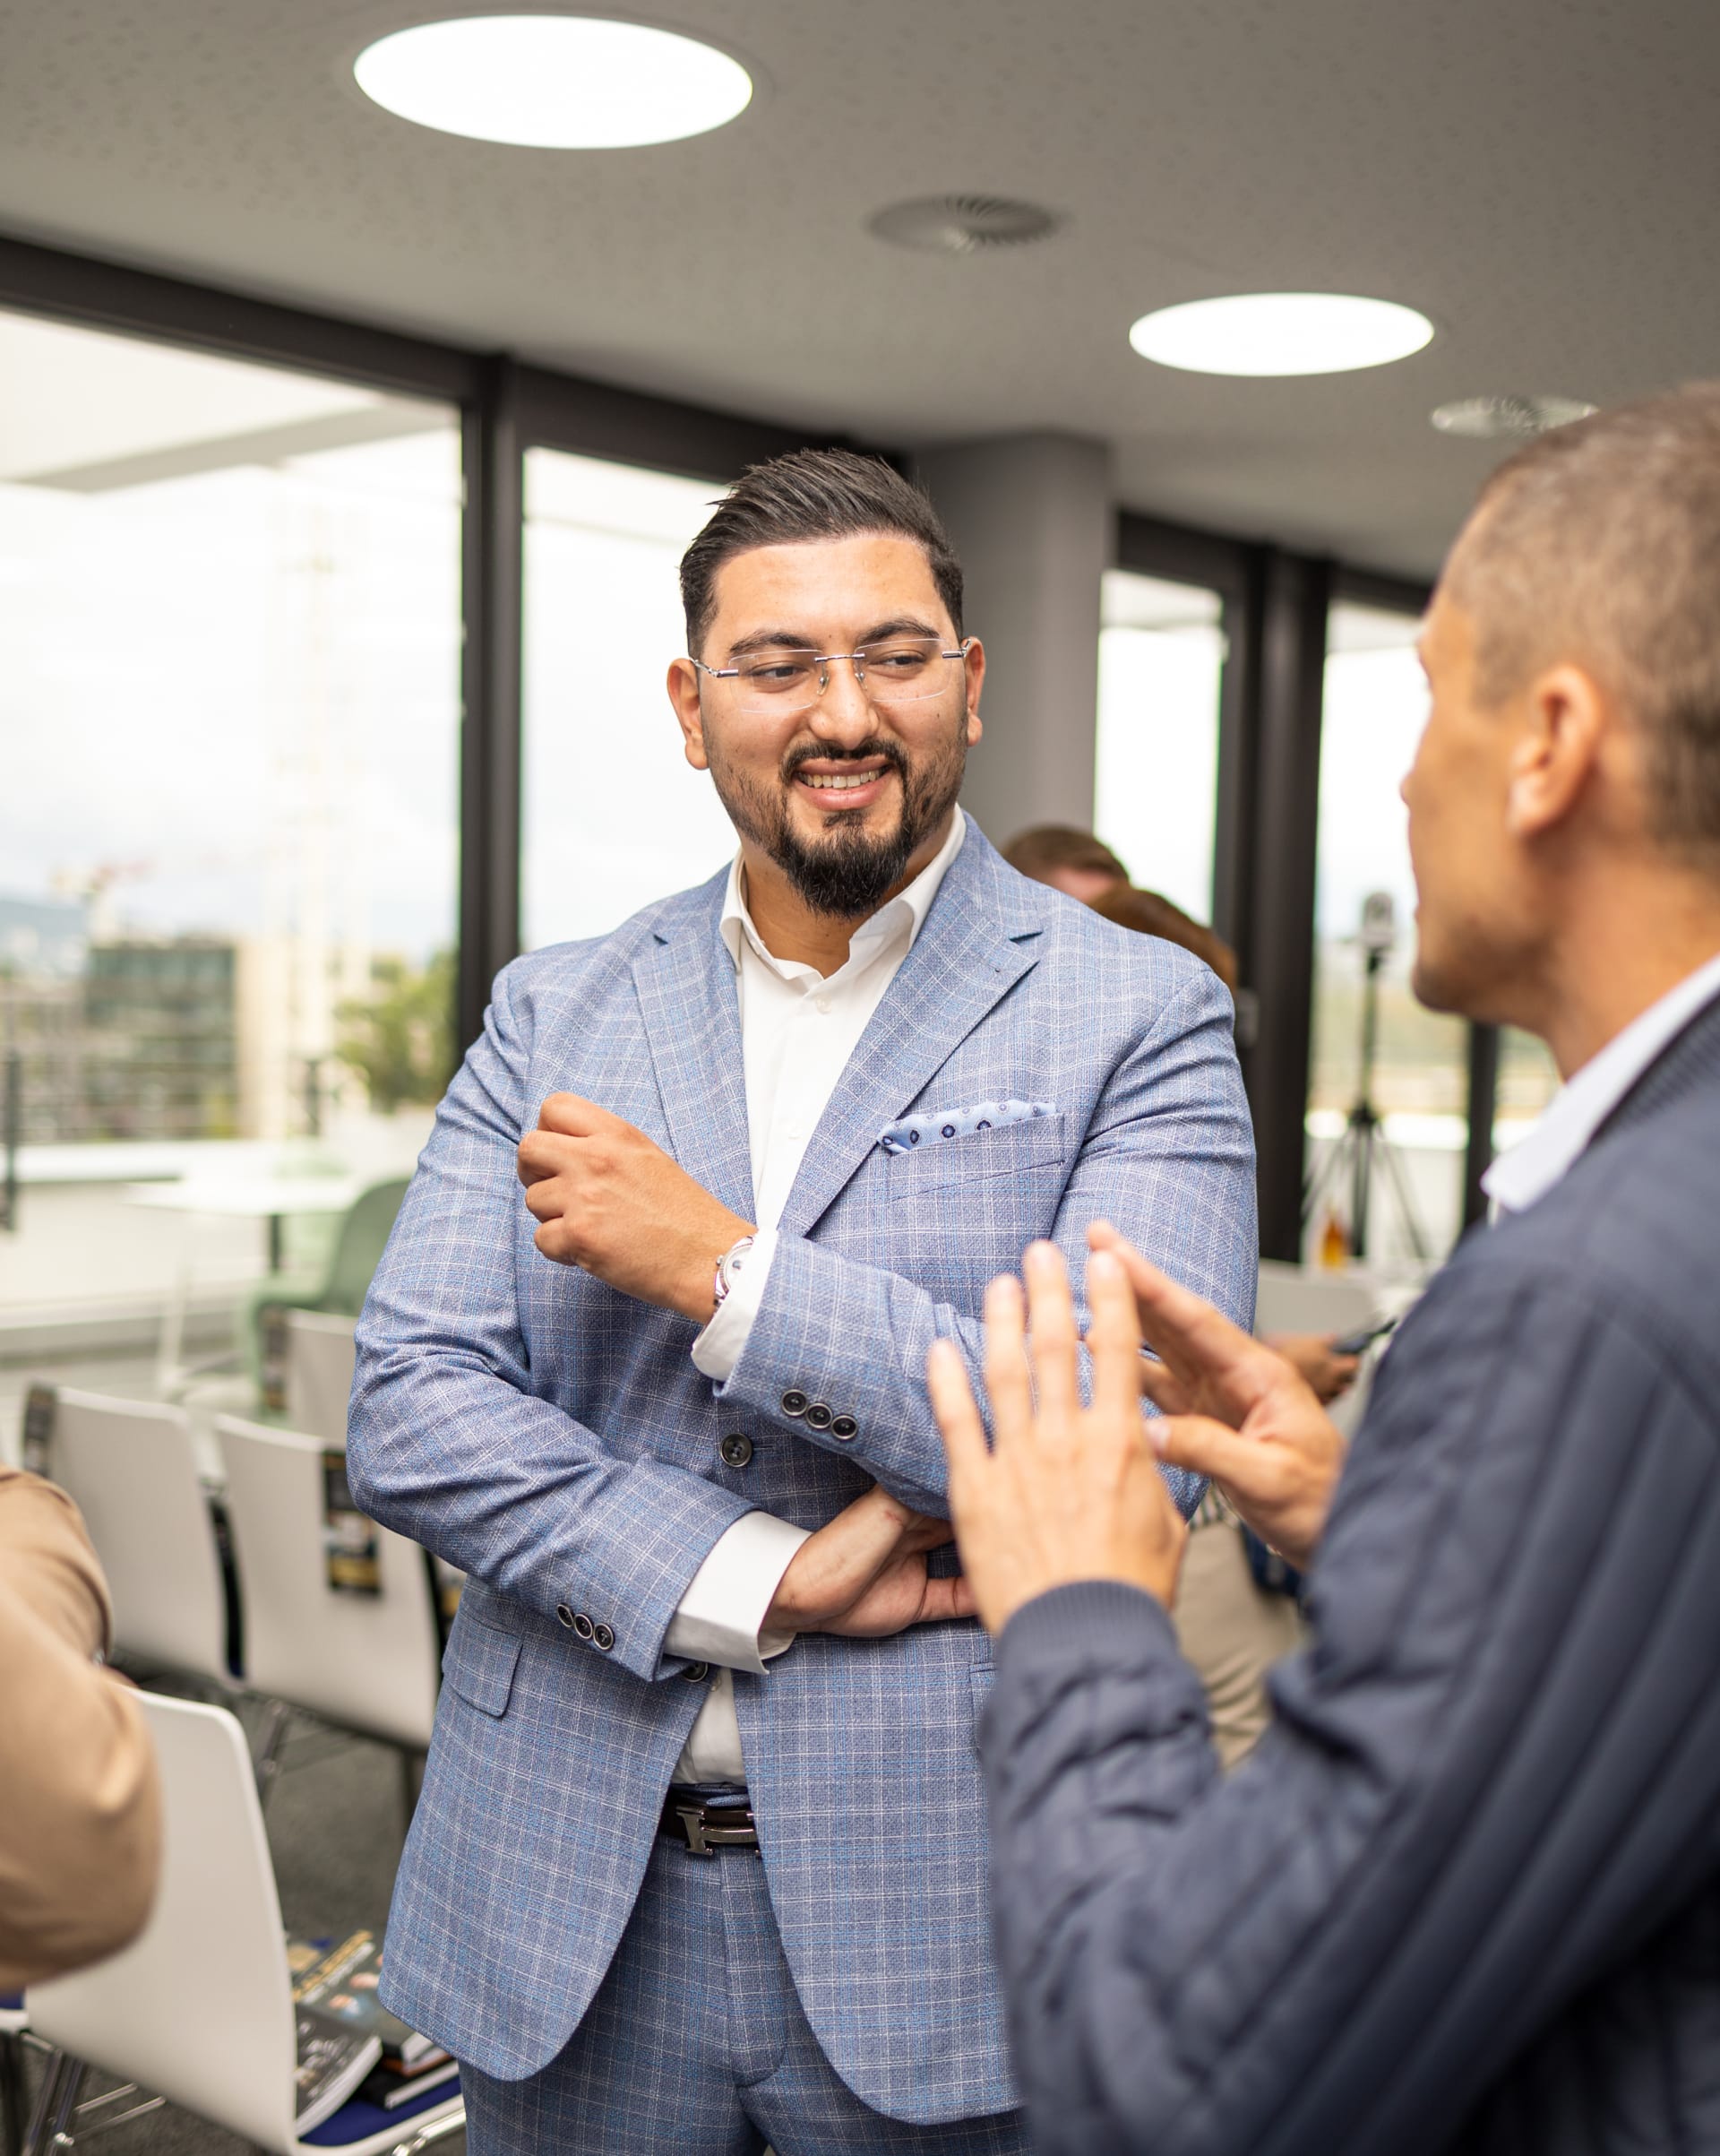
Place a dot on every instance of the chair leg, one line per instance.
(56, 2100)
(265, 1758)
(12, 2095)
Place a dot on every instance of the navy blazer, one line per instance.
(1466, 1893)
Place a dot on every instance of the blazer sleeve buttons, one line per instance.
(582, 1626)
(564, 1615)
(819, 1416)
(603, 1637)
(795, 1403)
(845, 1427)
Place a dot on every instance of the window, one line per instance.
(230, 602)
(614, 814)
(1156, 778)
(1375, 707)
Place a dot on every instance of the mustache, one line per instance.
(810, 752)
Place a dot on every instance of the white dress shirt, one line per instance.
(797, 1032)
(1518, 1179)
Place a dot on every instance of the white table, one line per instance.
(271, 1198)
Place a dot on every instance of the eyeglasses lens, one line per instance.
(900, 671)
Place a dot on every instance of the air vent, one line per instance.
(1509, 419)
(963, 224)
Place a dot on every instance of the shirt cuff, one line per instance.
(721, 1616)
(722, 1343)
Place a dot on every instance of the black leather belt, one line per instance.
(702, 1827)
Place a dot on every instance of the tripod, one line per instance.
(1363, 1138)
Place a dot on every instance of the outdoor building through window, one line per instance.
(614, 816)
(229, 605)
(1156, 771)
(1375, 708)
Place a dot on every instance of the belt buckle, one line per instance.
(704, 1840)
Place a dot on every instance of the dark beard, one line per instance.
(848, 875)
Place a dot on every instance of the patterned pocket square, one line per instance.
(936, 1125)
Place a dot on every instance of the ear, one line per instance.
(1557, 753)
(974, 668)
(689, 713)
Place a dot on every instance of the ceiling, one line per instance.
(1541, 176)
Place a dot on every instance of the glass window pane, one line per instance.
(1375, 707)
(614, 816)
(1156, 767)
(230, 602)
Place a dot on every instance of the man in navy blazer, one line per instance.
(700, 1857)
(1464, 1895)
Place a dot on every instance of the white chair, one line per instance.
(199, 2008)
(366, 1662)
(319, 1373)
(132, 1468)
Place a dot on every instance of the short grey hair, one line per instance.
(1600, 542)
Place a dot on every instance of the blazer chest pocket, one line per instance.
(1034, 1146)
(479, 1665)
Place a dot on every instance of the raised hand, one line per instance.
(1232, 1410)
(1068, 1493)
(864, 1574)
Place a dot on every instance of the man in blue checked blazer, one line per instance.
(700, 1858)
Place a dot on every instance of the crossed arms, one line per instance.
(454, 1442)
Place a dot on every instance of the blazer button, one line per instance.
(795, 1403)
(696, 1673)
(582, 1626)
(818, 1417)
(603, 1637)
(737, 1450)
(565, 1616)
(845, 1427)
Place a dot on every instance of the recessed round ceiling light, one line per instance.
(1280, 334)
(1509, 419)
(554, 82)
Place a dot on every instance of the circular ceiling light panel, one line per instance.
(1280, 334)
(963, 224)
(1509, 419)
(554, 82)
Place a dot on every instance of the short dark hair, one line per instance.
(812, 493)
(1048, 846)
(1600, 542)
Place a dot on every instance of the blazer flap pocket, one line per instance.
(1008, 1149)
(479, 1665)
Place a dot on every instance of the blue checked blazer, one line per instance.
(552, 1438)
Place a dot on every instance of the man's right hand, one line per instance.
(1232, 1410)
(863, 1574)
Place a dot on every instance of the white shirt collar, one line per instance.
(904, 917)
(1518, 1179)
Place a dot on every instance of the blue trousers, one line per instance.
(695, 2045)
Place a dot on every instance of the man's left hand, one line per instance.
(1068, 1493)
(608, 1199)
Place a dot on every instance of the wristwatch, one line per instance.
(727, 1266)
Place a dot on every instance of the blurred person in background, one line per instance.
(1464, 1895)
(1237, 1610)
(80, 1805)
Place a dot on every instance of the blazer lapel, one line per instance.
(684, 979)
(976, 944)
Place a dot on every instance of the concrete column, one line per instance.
(1032, 518)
